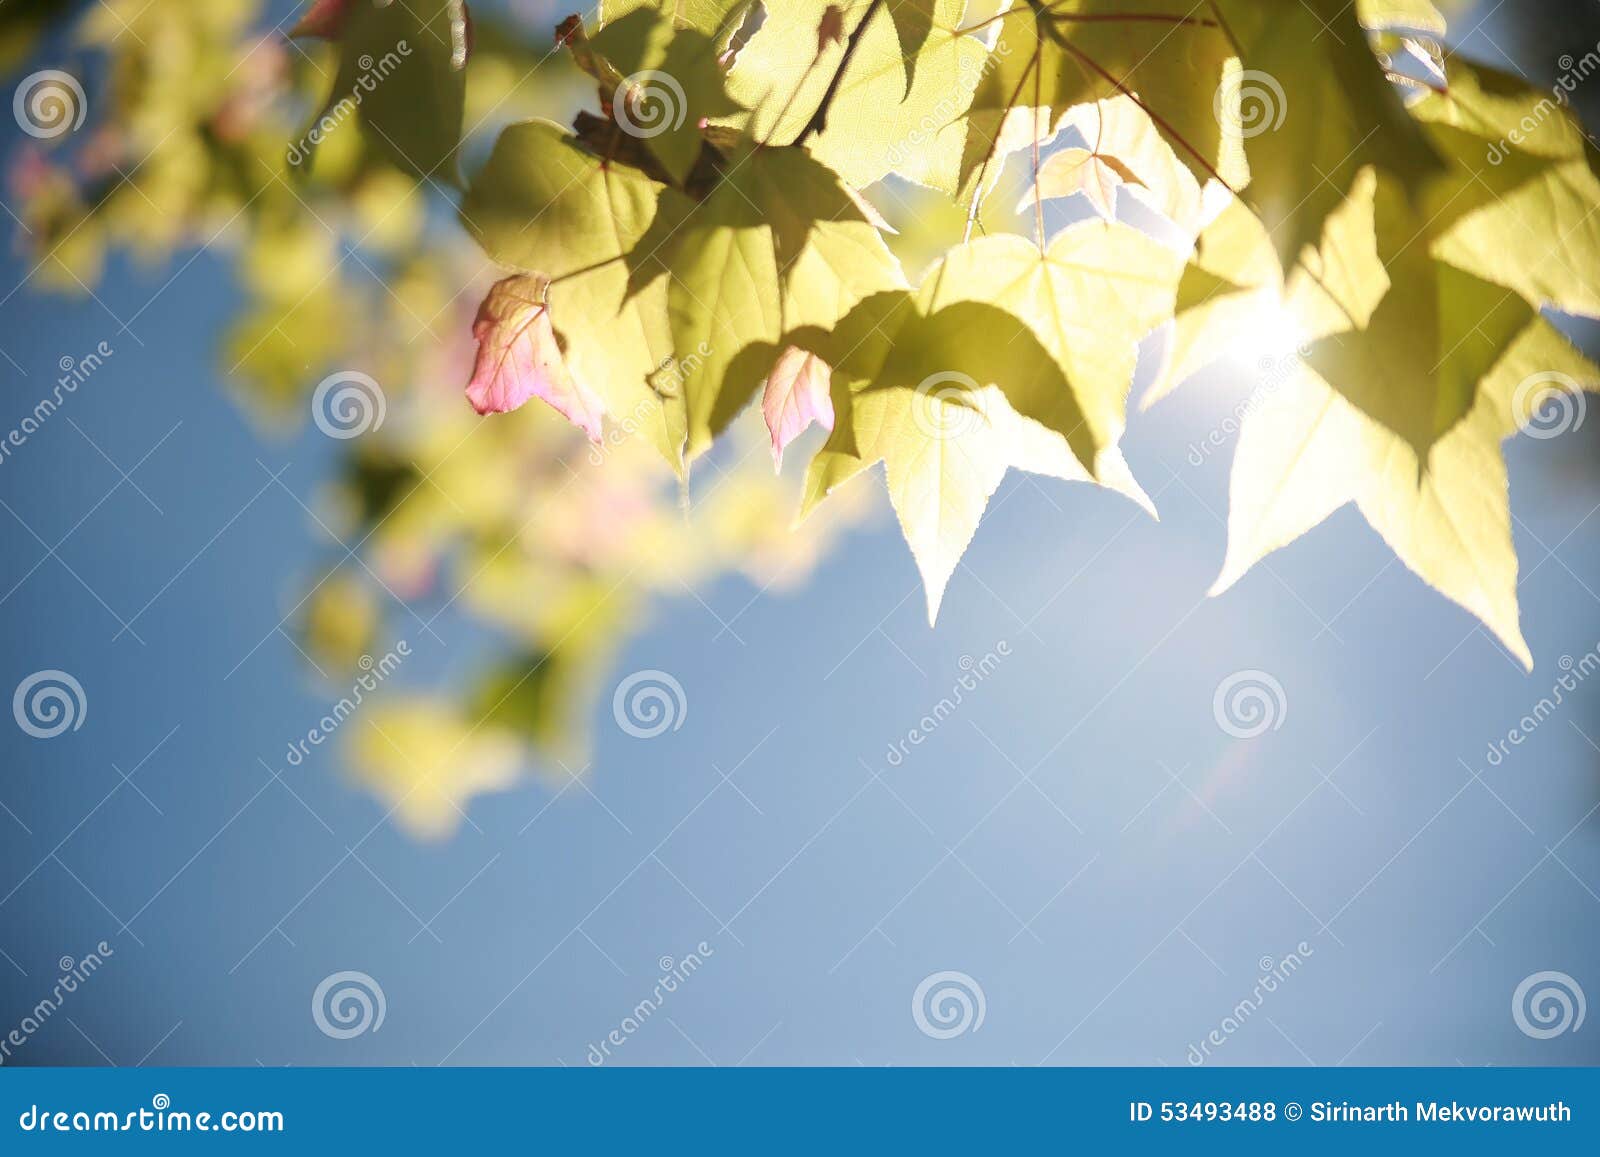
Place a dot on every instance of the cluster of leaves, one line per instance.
(705, 234)
(540, 552)
(703, 237)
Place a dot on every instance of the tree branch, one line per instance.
(819, 119)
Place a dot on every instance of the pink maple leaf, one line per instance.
(518, 357)
(796, 395)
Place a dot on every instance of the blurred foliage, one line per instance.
(560, 548)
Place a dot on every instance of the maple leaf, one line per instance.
(1097, 176)
(887, 115)
(716, 18)
(403, 68)
(1120, 130)
(543, 204)
(1304, 451)
(950, 391)
(778, 244)
(1539, 234)
(1048, 58)
(796, 394)
(671, 83)
(1088, 298)
(518, 357)
(1314, 108)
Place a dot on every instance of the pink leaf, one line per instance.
(518, 357)
(796, 395)
(324, 19)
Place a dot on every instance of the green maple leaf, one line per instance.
(776, 245)
(1539, 234)
(1315, 108)
(1404, 336)
(1048, 58)
(718, 19)
(1088, 297)
(889, 114)
(1304, 451)
(924, 395)
(403, 66)
(1305, 448)
(999, 361)
(671, 83)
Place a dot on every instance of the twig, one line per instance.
(819, 119)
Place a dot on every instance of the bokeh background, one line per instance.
(1080, 839)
